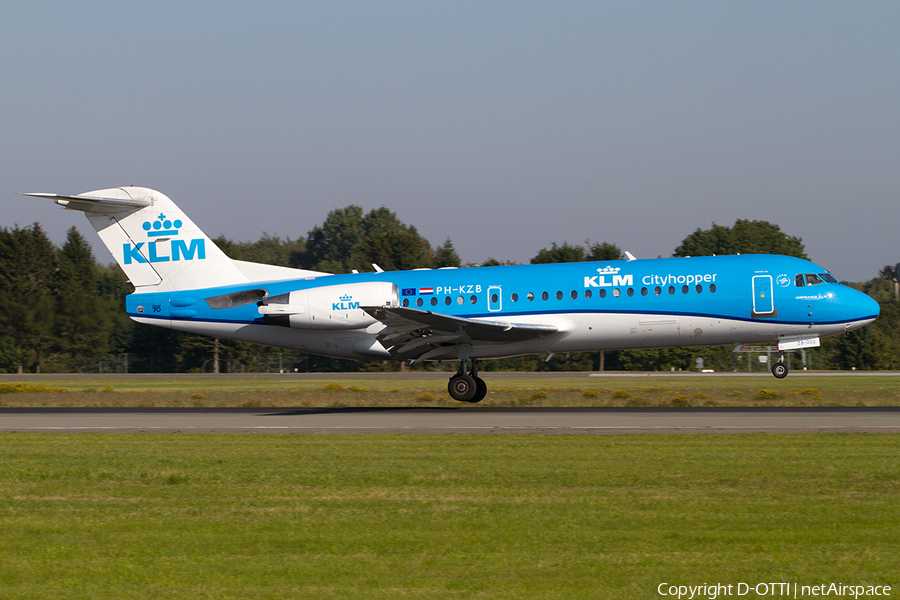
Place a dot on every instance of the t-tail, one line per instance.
(156, 244)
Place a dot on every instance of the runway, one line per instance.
(462, 420)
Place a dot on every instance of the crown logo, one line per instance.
(162, 226)
(346, 298)
(608, 270)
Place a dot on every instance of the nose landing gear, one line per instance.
(780, 369)
(467, 386)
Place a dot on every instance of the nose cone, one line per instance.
(867, 308)
(863, 308)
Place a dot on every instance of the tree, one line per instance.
(348, 240)
(604, 251)
(745, 237)
(27, 269)
(446, 256)
(396, 250)
(493, 262)
(559, 254)
(270, 250)
(332, 247)
(600, 251)
(80, 325)
(112, 287)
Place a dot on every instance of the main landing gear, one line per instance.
(467, 386)
(780, 369)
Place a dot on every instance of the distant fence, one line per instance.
(151, 362)
(755, 359)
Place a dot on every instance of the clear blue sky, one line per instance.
(505, 126)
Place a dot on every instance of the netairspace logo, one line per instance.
(770, 589)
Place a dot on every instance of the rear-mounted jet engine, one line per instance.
(329, 307)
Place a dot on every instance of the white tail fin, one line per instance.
(154, 242)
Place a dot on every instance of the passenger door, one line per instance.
(763, 298)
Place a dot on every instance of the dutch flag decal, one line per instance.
(426, 291)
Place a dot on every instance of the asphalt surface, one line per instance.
(461, 420)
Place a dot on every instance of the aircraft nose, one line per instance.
(866, 307)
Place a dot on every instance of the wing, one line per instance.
(420, 334)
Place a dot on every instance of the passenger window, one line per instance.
(684, 289)
(657, 290)
(530, 296)
(712, 288)
(616, 292)
(798, 280)
(587, 294)
(630, 292)
(812, 279)
(671, 290)
(699, 288)
(433, 301)
(419, 302)
(644, 291)
(514, 297)
(559, 295)
(473, 299)
(545, 296)
(405, 302)
(448, 300)
(602, 293)
(574, 295)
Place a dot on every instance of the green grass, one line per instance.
(398, 390)
(208, 516)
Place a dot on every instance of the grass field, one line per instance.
(399, 390)
(208, 516)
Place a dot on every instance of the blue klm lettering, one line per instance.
(344, 305)
(180, 250)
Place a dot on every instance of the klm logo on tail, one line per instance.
(163, 250)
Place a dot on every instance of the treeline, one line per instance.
(62, 311)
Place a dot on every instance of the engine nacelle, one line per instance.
(329, 307)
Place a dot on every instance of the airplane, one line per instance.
(183, 281)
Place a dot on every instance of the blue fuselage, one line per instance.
(593, 305)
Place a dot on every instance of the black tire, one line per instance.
(480, 390)
(780, 370)
(462, 388)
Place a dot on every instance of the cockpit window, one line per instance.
(813, 279)
(828, 277)
(798, 280)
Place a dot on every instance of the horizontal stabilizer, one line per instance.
(154, 242)
(92, 202)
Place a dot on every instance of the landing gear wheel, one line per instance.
(481, 390)
(780, 370)
(463, 388)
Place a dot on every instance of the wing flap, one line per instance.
(413, 333)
